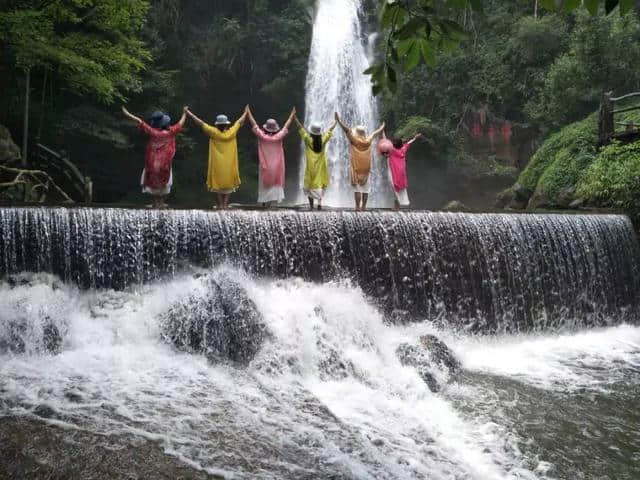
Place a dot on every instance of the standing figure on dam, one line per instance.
(360, 150)
(316, 173)
(396, 153)
(271, 171)
(157, 175)
(223, 175)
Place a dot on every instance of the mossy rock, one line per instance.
(455, 206)
(9, 151)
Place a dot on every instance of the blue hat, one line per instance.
(160, 120)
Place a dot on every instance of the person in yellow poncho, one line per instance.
(316, 174)
(223, 176)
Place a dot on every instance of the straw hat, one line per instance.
(361, 131)
(315, 129)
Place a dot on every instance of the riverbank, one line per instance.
(33, 450)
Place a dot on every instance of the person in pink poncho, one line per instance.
(397, 158)
(271, 173)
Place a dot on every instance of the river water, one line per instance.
(544, 393)
(552, 405)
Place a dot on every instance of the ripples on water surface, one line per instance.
(526, 406)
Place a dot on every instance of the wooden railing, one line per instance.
(607, 123)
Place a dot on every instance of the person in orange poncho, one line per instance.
(223, 175)
(361, 154)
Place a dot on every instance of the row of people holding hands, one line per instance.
(223, 174)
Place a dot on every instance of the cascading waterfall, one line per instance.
(259, 345)
(480, 271)
(340, 53)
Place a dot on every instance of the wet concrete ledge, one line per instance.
(305, 208)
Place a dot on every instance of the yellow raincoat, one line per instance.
(316, 174)
(223, 175)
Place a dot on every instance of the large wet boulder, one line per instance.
(222, 323)
(432, 358)
(23, 327)
(26, 335)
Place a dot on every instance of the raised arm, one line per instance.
(299, 125)
(195, 118)
(339, 122)
(183, 118)
(290, 119)
(251, 118)
(129, 115)
(244, 115)
(379, 131)
(333, 127)
(415, 137)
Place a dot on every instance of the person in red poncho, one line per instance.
(397, 157)
(157, 176)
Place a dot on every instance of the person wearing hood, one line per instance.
(316, 173)
(223, 175)
(157, 175)
(271, 173)
(360, 153)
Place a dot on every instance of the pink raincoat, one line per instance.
(271, 154)
(398, 167)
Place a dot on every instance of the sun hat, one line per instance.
(159, 120)
(361, 130)
(315, 129)
(271, 126)
(222, 120)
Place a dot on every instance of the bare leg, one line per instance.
(311, 202)
(319, 204)
(396, 206)
(219, 201)
(358, 198)
(365, 199)
(225, 199)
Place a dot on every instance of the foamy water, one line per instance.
(288, 414)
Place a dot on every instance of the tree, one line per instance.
(92, 45)
(419, 30)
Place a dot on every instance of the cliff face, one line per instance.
(510, 143)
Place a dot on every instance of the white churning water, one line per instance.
(340, 53)
(326, 396)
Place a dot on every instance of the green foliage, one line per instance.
(613, 179)
(570, 166)
(602, 56)
(435, 136)
(94, 46)
(419, 30)
(578, 140)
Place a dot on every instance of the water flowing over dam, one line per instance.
(286, 345)
(490, 271)
(340, 53)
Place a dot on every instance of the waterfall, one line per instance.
(340, 53)
(490, 272)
